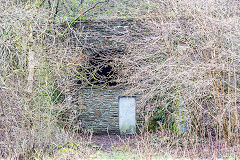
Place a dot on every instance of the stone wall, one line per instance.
(106, 35)
(98, 110)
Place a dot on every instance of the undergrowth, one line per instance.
(186, 67)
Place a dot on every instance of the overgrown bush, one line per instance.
(187, 64)
(33, 80)
(192, 56)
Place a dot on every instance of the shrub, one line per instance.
(190, 54)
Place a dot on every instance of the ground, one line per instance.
(150, 146)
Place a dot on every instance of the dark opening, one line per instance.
(100, 70)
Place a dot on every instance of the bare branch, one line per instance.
(56, 9)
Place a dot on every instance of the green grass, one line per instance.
(128, 156)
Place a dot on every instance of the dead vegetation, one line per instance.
(191, 63)
(188, 60)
